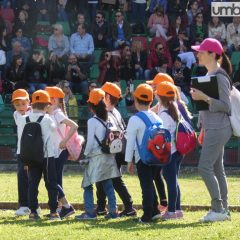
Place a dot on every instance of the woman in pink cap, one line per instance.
(216, 125)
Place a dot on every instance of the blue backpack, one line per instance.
(155, 148)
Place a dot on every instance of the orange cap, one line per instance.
(161, 77)
(55, 92)
(166, 89)
(41, 96)
(112, 89)
(20, 94)
(144, 92)
(96, 95)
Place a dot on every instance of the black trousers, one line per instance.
(48, 169)
(119, 187)
(159, 184)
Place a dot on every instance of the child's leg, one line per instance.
(88, 200)
(101, 197)
(34, 175)
(22, 177)
(178, 203)
(109, 191)
(50, 178)
(145, 176)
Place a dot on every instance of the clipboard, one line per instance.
(207, 84)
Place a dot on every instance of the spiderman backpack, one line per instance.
(155, 148)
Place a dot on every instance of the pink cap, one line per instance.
(211, 45)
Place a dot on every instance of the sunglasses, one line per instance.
(161, 48)
(118, 15)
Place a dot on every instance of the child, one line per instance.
(112, 96)
(58, 114)
(143, 97)
(102, 168)
(40, 103)
(168, 111)
(20, 101)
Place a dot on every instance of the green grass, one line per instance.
(193, 193)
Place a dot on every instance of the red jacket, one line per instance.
(153, 60)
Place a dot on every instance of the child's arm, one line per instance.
(90, 137)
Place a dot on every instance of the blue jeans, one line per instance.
(170, 173)
(22, 178)
(139, 74)
(36, 86)
(109, 191)
(60, 161)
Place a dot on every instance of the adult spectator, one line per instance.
(198, 30)
(176, 26)
(36, 72)
(139, 58)
(23, 23)
(58, 45)
(43, 10)
(5, 42)
(156, 59)
(24, 41)
(61, 12)
(233, 35)
(81, 44)
(191, 13)
(216, 29)
(158, 23)
(138, 11)
(80, 21)
(109, 68)
(121, 31)
(76, 76)
(100, 31)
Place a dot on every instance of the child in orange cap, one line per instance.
(143, 97)
(58, 113)
(21, 102)
(102, 167)
(168, 111)
(40, 103)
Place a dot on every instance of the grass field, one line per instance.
(193, 193)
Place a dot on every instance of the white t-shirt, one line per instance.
(135, 130)
(115, 118)
(58, 117)
(48, 127)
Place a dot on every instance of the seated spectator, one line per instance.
(24, 41)
(43, 10)
(100, 31)
(80, 21)
(181, 76)
(7, 13)
(139, 58)
(121, 31)
(109, 68)
(158, 24)
(16, 50)
(158, 3)
(69, 100)
(193, 9)
(176, 26)
(198, 30)
(233, 35)
(23, 23)
(76, 76)
(156, 59)
(216, 29)
(15, 74)
(82, 46)
(36, 72)
(62, 14)
(58, 45)
(127, 71)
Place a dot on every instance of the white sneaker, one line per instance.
(212, 216)
(38, 210)
(23, 211)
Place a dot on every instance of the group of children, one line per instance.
(102, 169)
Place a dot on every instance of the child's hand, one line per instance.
(63, 144)
(130, 168)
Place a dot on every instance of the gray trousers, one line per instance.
(211, 166)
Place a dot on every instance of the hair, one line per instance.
(62, 106)
(100, 110)
(119, 11)
(190, 3)
(177, 59)
(15, 58)
(101, 13)
(113, 100)
(58, 26)
(39, 106)
(24, 12)
(135, 45)
(141, 102)
(211, 24)
(225, 63)
(159, 9)
(168, 102)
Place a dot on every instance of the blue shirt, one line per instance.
(81, 45)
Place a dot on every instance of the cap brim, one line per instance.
(196, 48)
(20, 98)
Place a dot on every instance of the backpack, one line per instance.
(155, 148)
(32, 146)
(113, 140)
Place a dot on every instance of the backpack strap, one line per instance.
(144, 118)
(97, 139)
(40, 119)
(28, 119)
(121, 125)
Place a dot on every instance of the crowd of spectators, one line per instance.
(138, 39)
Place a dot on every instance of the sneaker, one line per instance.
(212, 216)
(101, 212)
(156, 216)
(179, 214)
(143, 220)
(54, 216)
(34, 217)
(86, 216)
(112, 215)
(59, 209)
(66, 212)
(128, 213)
(23, 211)
(169, 215)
